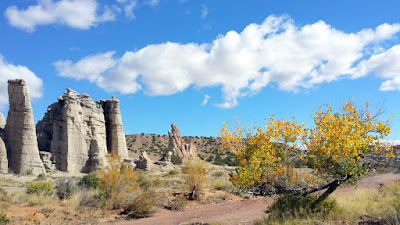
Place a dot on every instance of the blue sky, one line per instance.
(199, 63)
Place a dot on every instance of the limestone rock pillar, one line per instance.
(20, 132)
(116, 142)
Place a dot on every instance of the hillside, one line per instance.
(208, 148)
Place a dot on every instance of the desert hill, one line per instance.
(209, 148)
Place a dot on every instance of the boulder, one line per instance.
(178, 146)
(20, 133)
(116, 142)
(144, 162)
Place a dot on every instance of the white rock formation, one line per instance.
(178, 146)
(116, 142)
(73, 130)
(20, 132)
(3, 150)
(3, 157)
(2, 121)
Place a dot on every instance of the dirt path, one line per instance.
(233, 212)
(239, 211)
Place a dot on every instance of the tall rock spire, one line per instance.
(20, 132)
(178, 146)
(116, 142)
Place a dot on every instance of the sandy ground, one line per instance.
(240, 211)
(232, 212)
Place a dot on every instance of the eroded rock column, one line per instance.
(179, 147)
(116, 142)
(73, 130)
(20, 132)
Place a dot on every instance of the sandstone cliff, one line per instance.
(178, 146)
(20, 133)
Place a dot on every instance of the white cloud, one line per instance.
(89, 68)
(80, 14)
(10, 71)
(204, 11)
(205, 101)
(153, 2)
(391, 142)
(240, 63)
(128, 8)
(384, 65)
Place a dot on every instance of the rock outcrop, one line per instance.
(73, 130)
(3, 150)
(116, 142)
(144, 162)
(2, 121)
(177, 145)
(20, 133)
(3, 157)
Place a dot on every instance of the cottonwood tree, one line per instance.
(334, 149)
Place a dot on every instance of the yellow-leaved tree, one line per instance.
(334, 148)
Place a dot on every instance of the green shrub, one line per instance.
(89, 181)
(4, 195)
(218, 174)
(173, 172)
(117, 182)
(4, 219)
(297, 207)
(196, 176)
(65, 189)
(178, 203)
(39, 187)
(142, 206)
(143, 180)
(157, 182)
(176, 160)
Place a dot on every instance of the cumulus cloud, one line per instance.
(80, 14)
(10, 71)
(243, 63)
(384, 65)
(205, 101)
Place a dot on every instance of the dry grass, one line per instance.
(376, 204)
(370, 206)
(5, 182)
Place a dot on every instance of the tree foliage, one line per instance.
(333, 148)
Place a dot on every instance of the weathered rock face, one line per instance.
(116, 142)
(48, 161)
(3, 157)
(20, 132)
(73, 130)
(178, 146)
(2, 121)
(144, 162)
(3, 150)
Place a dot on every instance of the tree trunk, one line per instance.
(331, 188)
